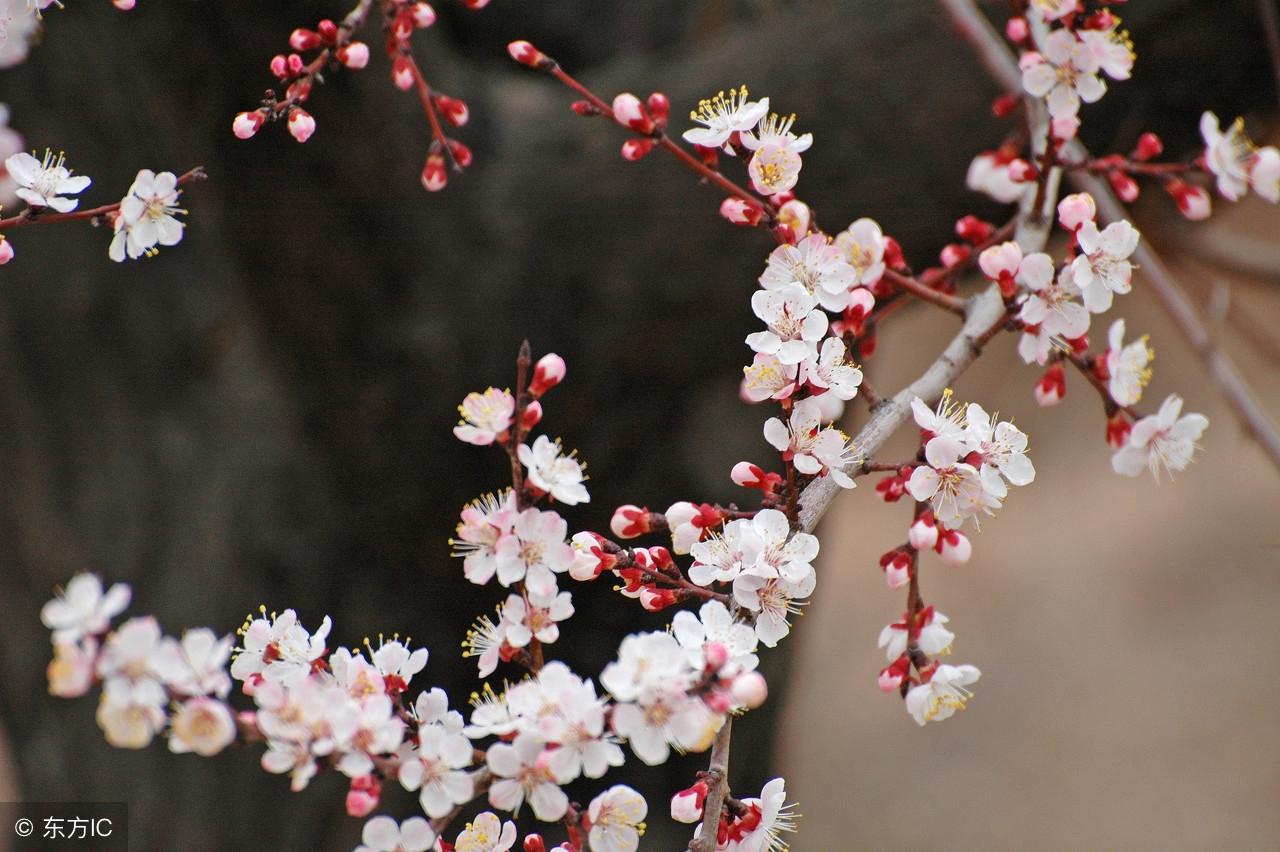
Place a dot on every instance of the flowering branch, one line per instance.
(35, 216)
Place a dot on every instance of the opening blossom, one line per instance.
(764, 820)
(43, 183)
(486, 833)
(556, 474)
(943, 694)
(863, 245)
(486, 417)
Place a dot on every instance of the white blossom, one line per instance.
(714, 624)
(724, 115)
(832, 371)
(945, 693)
(383, 834)
(1065, 73)
(811, 447)
(617, 820)
(794, 323)
(1127, 368)
(815, 264)
(147, 216)
(486, 833)
(82, 609)
(863, 245)
(1164, 440)
(1237, 163)
(559, 475)
(1103, 268)
(523, 774)
(43, 183)
(485, 416)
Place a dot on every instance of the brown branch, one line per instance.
(717, 778)
(28, 217)
(924, 292)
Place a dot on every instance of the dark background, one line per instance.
(262, 414)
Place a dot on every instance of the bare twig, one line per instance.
(717, 788)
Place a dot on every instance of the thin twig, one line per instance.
(717, 789)
(28, 217)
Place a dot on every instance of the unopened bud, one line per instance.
(1052, 386)
(891, 676)
(954, 254)
(1076, 209)
(750, 689)
(402, 73)
(363, 796)
(279, 66)
(629, 112)
(533, 842)
(1124, 186)
(923, 534)
(636, 149)
(659, 108)
(434, 175)
(301, 39)
(954, 548)
(295, 65)
(973, 230)
(686, 806)
(246, 124)
(355, 55)
(301, 124)
(1193, 201)
(739, 211)
(716, 655)
(547, 373)
(584, 108)
(1118, 428)
(1016, 30)
(454, 110)
(526, 54)
(897, 568)
(461, 153)
(423, 15)
(6, 251)
(629, 521)
(532, 415)
(1149, 147)
(328, 31)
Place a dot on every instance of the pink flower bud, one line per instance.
(891, 488)
(718, 701)
(295, 65)
(796, 215)
(547, 373)
(461, 153)
(1149, 147)
(6, 251)
(363, 796)
(1052, 386)
(923, 534)
(1005, 105)
(897, 568)
(355, 55)
(654, 599)
(526, 54)
(434, 175)
(423, 15)
(629, 112)
(402, 73)
(584, 108)
(750, 689)
(892, 675)
(686, 806)
(679, 514)
(533, 842)
(749, 475)
(1124, 186)
(301, 39)
(1016, 30)
(659, 107)
(1193, 201)
(636, 149)
(475, 5)
(1076, 209)
(402, 27)
(954, 548)
(716, 655)
(1022, 171)
(246, 124)
(279, 66)
(1000, 261)
(1118, 428)
(741, 212)
(629, 521)
(328, 31)
(532, 414)
(124, 5)
(971, 229)
(301, 124)
(954, 254)
(454, 111)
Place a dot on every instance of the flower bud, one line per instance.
(455, 111)
(363, 796)
(355, 55)
(1016, 30)
(402, 27)
(124, 5)
(301, 124)
(1075, 210)
(629, 112)
(461, 153)
(1052, 386)
(891, 676)
(301, 39)
(1193, 201)
(954, 548)
(750, 689)
(402, 73)
(636, 149)
(1149, 147)
(279, 66)
(526, 54)
(739, 211)
(654, 599)
(1021, 171)
(973, 230)
(954, 254)
(532, 415)
(716, 655)
(532, 842)
(796, 216)
(896, 566)
(749, 475)
(891, 488)
(475, 5)
(295, 65)
(328, 31)
(659, 107)
(1000, 261)
(423, 15)
(434, 175)
(686, 806)
(629, 521)
(1005, 105)
(923, 534)
(6, 251)
(584, 108)
(1118, 428)
(587, 557)
(1065, 127)
(547, 373)
(1124, 186)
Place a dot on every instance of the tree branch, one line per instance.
(717, 790)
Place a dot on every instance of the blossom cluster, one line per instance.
(144, 219)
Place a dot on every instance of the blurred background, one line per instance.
(263, 414)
